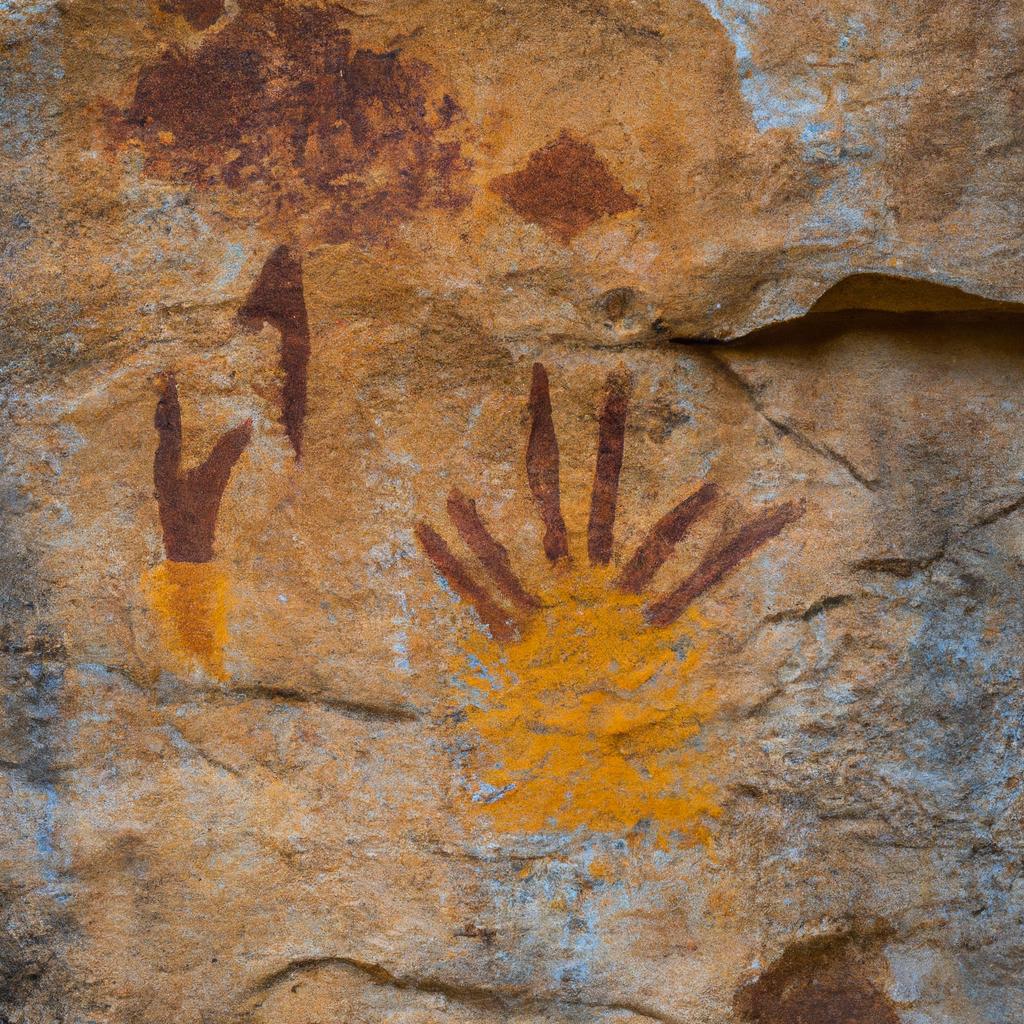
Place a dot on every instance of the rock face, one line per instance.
(512, 513)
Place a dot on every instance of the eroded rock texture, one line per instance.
(511, 512)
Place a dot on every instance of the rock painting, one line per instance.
(277, 298)
(583, 700)
(189, 591)
(340, 143)
(564, 187)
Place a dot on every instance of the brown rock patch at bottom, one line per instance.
(817, 982)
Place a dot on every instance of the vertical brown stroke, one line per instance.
(723, 560)
(278, 298)
(188, 503)
(662, 538)
(458, 576)
(167, 461)
(542, 466)
(604, 495)
(492, 555)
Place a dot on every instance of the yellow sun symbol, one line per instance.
(584, 710)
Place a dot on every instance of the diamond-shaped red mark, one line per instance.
(564, 187)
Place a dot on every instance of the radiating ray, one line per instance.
(605, 492)
(666, 533)
(493, 556)
(461, 581)
(542, 466)
(723, 560)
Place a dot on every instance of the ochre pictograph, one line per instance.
(583, 701)
(277, 298)
(188, 590)
(564, 187)
(328, 140)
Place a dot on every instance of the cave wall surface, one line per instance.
(511, 513)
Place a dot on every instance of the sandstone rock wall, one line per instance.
(511, 512)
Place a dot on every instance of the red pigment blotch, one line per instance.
(564, 187)
(346, 143)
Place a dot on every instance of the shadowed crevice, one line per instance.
(874, 302)
(361, 710)
(787, 429)
(499, 999)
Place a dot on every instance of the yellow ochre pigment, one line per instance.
(585, 720)
(191, 602)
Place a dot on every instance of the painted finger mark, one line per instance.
(542, 466)
(662, 538)
(605, 492)
(492, 555)
(721, 561)
(461, 581)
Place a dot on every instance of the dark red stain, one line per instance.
(660, 542)
(814, 983)
(564, 187)
(722, 560)
(277, 298)
(604, 495)
(492, 555)
(189, 502)
(200, 14)
(542, 466)
(343, 143)
(461, 581)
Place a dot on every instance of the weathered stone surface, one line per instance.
(410, 615)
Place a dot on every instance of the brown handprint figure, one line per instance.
(584, 701)
(189, 590)
(189, 501)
